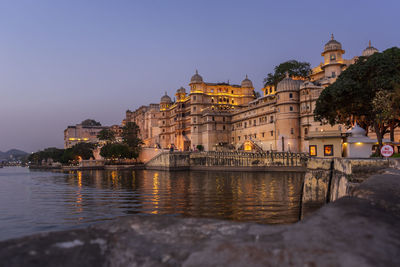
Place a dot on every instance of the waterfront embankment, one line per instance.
(362, 229)
(327, 180)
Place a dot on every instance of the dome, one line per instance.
(181, 91)
(288, 84)
(370, 50)
(332, 45)
(196, 78)
(356, 131)
(308, 84)
(247, 83)
(165, 99)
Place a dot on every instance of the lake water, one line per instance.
(36, 201)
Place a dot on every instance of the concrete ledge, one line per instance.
(360, 230)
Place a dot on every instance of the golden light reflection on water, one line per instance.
(260, 197)
(156, 189)
(79, 198)
(79, 174)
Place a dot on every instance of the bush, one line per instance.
(200, 147)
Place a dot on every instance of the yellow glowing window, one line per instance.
(313, 150)
(328, 150)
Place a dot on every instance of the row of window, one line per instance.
(328, 150)
(223, 100)
(254, 122)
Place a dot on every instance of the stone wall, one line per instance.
(147, 153)
(330, 179)
(170, 161)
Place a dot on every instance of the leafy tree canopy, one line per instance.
(116, 150)
(366, 92)
(90, 122)
(130, 137)
(106, 135)
(256, 94)
(82, 150)
(53, 153)
(293, 67)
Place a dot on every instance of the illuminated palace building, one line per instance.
(223, 116)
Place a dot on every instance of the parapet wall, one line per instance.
(241, 161)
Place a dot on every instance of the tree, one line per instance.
(130, 137)
(367, 92)
(106, 135)
(256, 94)
(116, 150)
(293, 67)
(82, 150)
(67, 156)
(53, 153)
(386, 106)
(90, 122)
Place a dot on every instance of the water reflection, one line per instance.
(63, 201)
(259, 197)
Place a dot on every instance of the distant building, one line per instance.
(81, 133)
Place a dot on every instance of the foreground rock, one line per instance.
(363, 230)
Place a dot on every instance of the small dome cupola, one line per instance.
(369, 51)
(332, 45)
(246, 83)
(165, 99)
(288, 84)
(356, 131)
(180, 94)
(181, 90)
(196, 78)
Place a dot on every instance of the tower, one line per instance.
(165, 103)
(287, 115)
(369, 51)
(197, 88)
(333, 58)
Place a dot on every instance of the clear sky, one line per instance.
(65, 61)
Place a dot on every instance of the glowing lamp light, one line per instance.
(358, 143)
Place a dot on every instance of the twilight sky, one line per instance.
(65, 61)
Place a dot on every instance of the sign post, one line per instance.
(387, 151)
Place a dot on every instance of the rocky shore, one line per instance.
(359, 230)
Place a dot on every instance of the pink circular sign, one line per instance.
(387, 151)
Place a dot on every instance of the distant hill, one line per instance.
(12, 153)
